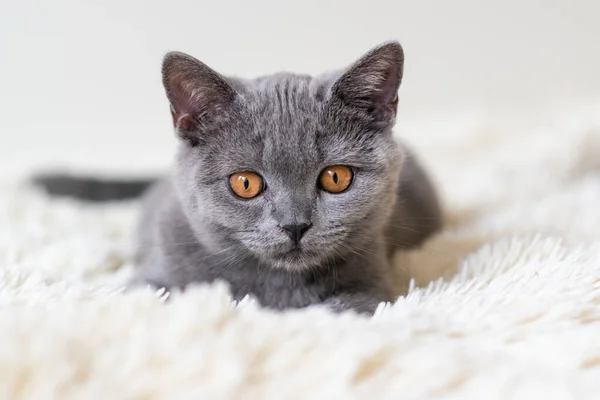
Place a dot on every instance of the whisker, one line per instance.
(410, 229)
(232, 262)
(408, 246)
(415, 218)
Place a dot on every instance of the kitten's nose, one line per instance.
(296, 231)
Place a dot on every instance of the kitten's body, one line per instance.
(287, 128)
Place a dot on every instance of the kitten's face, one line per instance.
(260, 173)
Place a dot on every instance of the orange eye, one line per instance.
(246, 184)
(336, 179)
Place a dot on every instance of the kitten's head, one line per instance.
(295, 170)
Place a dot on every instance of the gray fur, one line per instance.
(288, 128)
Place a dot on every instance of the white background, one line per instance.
(80, 78)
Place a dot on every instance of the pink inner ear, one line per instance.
(188, 106)
(196, 98)
(185, 109)
(182, 121)
(386, 92)
(180, 91)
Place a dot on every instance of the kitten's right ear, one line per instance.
(196, 93)
(371, 83)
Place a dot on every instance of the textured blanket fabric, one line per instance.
(504, 303)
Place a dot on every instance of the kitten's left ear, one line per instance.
(372, 83)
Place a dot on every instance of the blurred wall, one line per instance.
(84, 74)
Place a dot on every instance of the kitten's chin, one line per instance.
(295, 260)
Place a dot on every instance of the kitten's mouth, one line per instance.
(294, 252)
(295, 255)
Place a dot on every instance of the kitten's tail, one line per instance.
(90, 188)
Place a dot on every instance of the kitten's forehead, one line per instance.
(285, 110)
(285, 98)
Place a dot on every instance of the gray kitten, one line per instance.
(288, 187)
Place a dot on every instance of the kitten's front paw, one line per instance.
(362, 304)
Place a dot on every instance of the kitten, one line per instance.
(288, 187)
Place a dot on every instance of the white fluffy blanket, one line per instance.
(504, 303)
